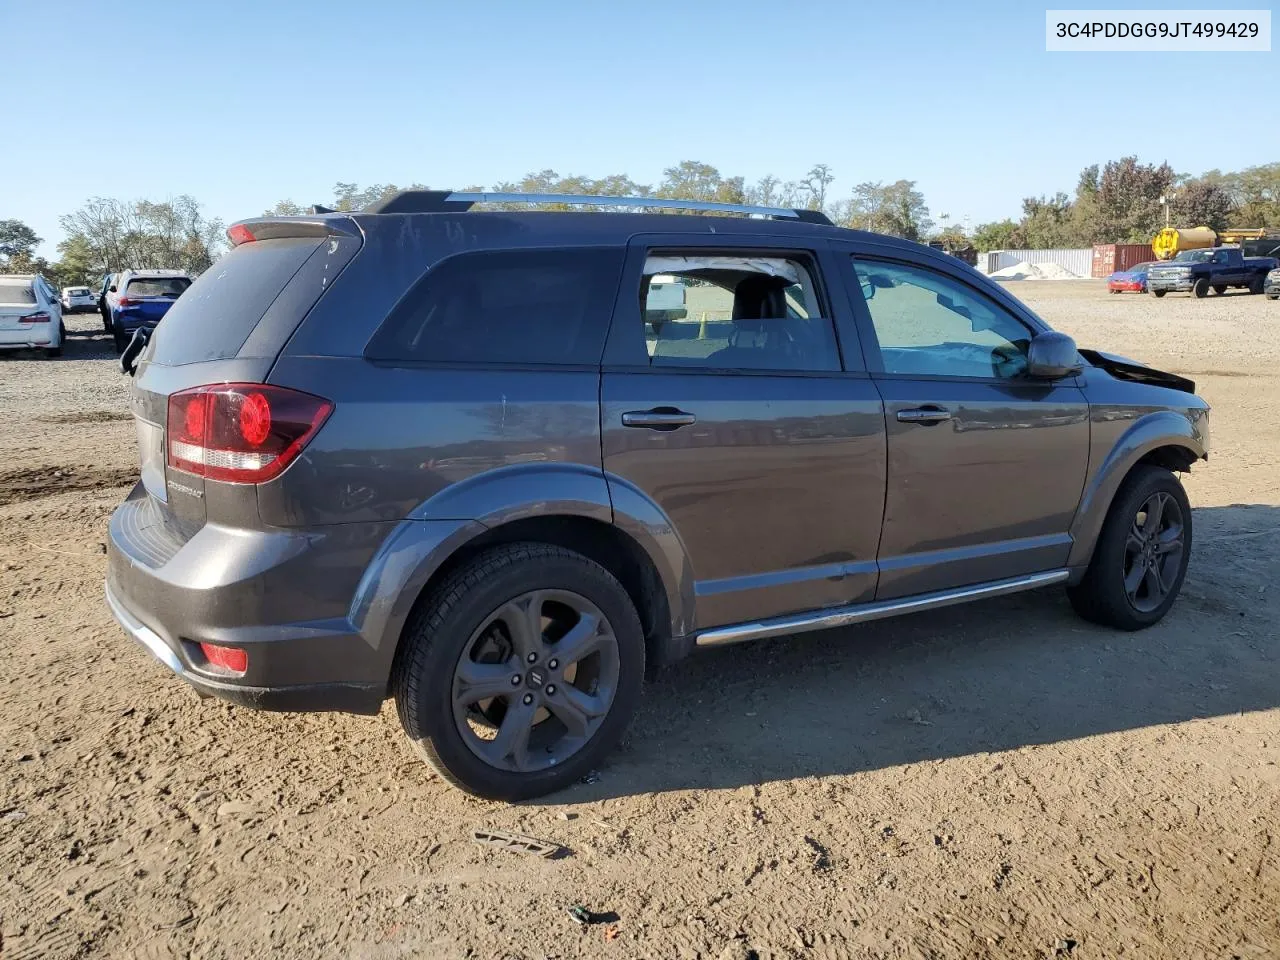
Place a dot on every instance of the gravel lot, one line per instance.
(998, 780)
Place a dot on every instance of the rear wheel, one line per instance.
(1141, 556)
(520, 672)
(120, 338)
(1201, 288)
(1219, 288)
(1256, 284)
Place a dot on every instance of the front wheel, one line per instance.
(1141, 555)
(1158, 293)
(520, 672)
(1201, 288)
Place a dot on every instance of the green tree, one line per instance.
(1046, 222)
(1128, 202)
(1256, 191)
(999, 235)
(119, 234)
(17, 245)
(76, 263)
(1204, 201)
(897, 209)
(692, 180)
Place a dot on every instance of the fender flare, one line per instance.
(419, 545)
(1161, 428)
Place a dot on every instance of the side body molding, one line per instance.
(1122, 444)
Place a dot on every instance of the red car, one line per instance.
(1134, 279)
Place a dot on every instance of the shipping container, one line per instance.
(1108, 258)
(1077, 262)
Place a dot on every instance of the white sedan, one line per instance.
(30, 314)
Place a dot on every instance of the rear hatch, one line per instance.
(147, 299)
(227, 328)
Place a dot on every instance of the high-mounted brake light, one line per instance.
(241, 432)
(34, 318)
(239, 233)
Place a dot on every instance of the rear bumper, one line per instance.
(282, 596)
(31, 336)
(346, 697)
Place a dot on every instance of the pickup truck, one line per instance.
(1216, 269)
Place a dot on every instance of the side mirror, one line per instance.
(111, 289)
(1052, 356)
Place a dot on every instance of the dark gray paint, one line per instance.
(791, 502)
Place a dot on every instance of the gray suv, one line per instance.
(454, 458)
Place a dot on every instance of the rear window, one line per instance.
(78, 292)
(529, 306)
(157, 287)
(16, 291)
(214, 317)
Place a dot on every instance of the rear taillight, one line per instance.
(125, 302)
(34, 318)
(232, 659)
(241, 432)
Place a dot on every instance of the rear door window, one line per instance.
(215, 315)
(515, 306)
(734, 311)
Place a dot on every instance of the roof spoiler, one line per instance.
(276, 228)
(451, 201)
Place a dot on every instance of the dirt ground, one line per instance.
(997, 780)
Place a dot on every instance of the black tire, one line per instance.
(1201, 288)
(1256, 284)
(1101, 596)
(1273, 296)
(1158, 293)
(121, 339)
(1113, 291)
(1219, 288)
(441, 630)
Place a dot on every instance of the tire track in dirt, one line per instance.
(33, 483)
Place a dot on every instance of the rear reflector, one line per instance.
(241, 432)
(228, 658)
(239, 234)
(34, 318)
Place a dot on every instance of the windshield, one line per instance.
(16, 291)
(158, 287)
(1194, 256)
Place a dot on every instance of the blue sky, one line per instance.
(243, 104)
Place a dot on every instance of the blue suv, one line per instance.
(139, 298)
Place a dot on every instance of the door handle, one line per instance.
(924, 415)
(660, 418)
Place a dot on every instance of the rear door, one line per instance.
(742, 424)
(985, 466)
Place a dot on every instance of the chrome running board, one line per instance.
(862, 612)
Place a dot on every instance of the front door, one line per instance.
(726, 403)
(985, 466)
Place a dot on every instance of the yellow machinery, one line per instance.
(1171, 240)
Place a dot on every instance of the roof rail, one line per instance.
(442, 201)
